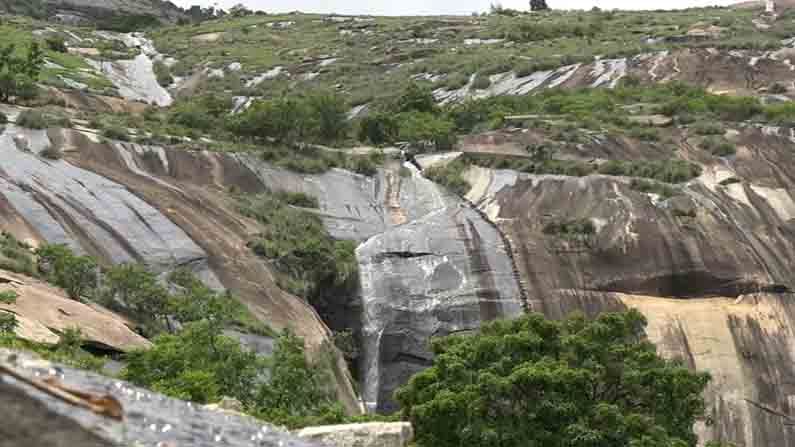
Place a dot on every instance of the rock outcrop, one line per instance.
(374, 434)
(43, 312)
(86, 12)
(149, 419)
(167, 209)
(429, 265)
(710, 268)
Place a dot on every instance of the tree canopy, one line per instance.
(536, 382)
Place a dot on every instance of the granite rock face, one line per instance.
(123, 202)
(710, 268)
(150, 419)
(429, 266)
(374, 434)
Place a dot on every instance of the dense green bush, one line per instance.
(318, 117)
(661, 189)
(451, 176)
(163, 74)
(56, 43)
(668, 171)
(379, 128)
(718, 147)
(533, 381)
(421, 127)
(32, 119)
(115, 133)
(75, 274)
(200, 364)
(707, 128)
(570, 229)
(311, 263)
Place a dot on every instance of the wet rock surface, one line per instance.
(429, 265)
(150, 419)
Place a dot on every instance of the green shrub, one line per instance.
(57, 44)
(645, 133)
(482, 82)
(707, 128)
(163, 74)
(200, 364)
(8, 324)
(3, 119)
(684, 213)
(718, 147)
(661, 189)
(571, 229)
(668, 171)
(32, 119)
(298, 199)
(456, 81)
(8, 297)
(310, 262)
(425, 127)
(379, 128)
(451, 176)
(115, 133)
(75, 274)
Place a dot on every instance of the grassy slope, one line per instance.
(20, 32)
(378, 57)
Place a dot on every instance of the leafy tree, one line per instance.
(198, 364)
(139, 291)
(295, 391)
(536, 382)
(75, 274)
(538, 5)
(421, 127)
(330, 117)
(379, 128)
(19, 74)
(194, 301)
(415, 99)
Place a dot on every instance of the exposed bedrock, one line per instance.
(123, 202)
(711, 268)
(429, 265)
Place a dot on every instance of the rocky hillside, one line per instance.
(586, 162)
(105, 13)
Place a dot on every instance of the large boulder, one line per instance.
(34, 418)
(374, 434)
(43, 312)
